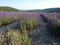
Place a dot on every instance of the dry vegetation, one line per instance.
(20, 36)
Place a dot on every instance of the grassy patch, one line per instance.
(29, 24)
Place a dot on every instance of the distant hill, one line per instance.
(8, 9)
(49, 10)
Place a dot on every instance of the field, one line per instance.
(29, 28)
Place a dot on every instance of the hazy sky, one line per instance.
(30, 4)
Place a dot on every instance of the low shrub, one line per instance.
(3, 39)
(18, 17)
(8, 20)
(31, 24)
(28, 24)
(56, 27)
(1, 22)
(16, 38)
(5, 21)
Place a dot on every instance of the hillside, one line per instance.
(49, 10)
(8, 9)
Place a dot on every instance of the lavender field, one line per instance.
(29, 28)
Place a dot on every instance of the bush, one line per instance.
(1, 22)
(56, 27)
(17, 38)
(14, 37)
(31, 24)
(28, 24)
(8, 20)
(3, 39)
(18, 17)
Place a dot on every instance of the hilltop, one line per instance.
(3, 8)
(48, 10)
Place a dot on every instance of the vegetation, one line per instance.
(18, 17)
(1, 22)
(8, 20)
(8, 9)
(56, 27)
(20, 36)
(29, 24)
(49, 10)
(16, 38)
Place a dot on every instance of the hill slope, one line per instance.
(49, 10)
(52, 10)
(8, 9)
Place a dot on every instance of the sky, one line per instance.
(30, 4)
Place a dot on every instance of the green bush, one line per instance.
(18, 17)
(1, 22)
(56, 27)
(5, 21)
(31, 24)
(14, 37)
(8, 20)
(19, 39)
